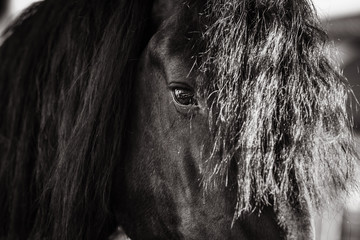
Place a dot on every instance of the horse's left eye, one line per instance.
(184, 96)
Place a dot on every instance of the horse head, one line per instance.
(229, 132)
(174, 119)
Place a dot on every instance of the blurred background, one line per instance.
(341, 20)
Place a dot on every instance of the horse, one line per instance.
(181, 119)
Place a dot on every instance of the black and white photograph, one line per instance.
(179, 119)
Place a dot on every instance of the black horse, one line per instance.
(208, 119)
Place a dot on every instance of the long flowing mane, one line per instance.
(66, 70)
(279, 108)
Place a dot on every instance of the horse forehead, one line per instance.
(168, 49)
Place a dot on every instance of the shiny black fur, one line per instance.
(276, 109)
(65, 72)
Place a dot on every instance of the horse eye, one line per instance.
(184, 96)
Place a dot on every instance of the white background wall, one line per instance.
(337, 8)
(16, 6)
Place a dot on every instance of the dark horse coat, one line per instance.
(208, 119)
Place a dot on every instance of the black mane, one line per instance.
(66, 70)
(277, 108)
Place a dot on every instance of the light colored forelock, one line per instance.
(278, 108)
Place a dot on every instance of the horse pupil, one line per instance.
(184, 97)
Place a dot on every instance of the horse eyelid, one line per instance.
(180, 85)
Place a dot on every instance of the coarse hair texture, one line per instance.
(278, 108)
(66, 72)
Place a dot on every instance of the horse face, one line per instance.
(167, 137)
(169, 142)
(236, 128)
(220, 129)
